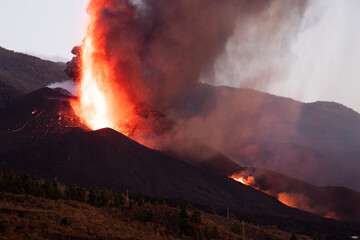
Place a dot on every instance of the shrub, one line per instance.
(215, 232)
(119, 200)
(146, 216)
(94, 195)
(187, 227)
(74, 192)
(237, 229)
(293, 236)
(196, 216)
(64, 222)
(105, 197)
(318, 237)
(140, 200)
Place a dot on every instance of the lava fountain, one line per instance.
(101, 102)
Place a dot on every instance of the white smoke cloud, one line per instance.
(325, 59)
(321, 62)
(67, 85)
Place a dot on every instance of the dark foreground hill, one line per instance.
(41, 135)
(28, 217)
(21, 73)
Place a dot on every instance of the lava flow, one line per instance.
(249, 180)
(101, 102)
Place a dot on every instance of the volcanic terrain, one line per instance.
(41, 135)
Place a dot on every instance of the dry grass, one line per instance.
(27, 217)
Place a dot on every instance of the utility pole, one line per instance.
(127, 196)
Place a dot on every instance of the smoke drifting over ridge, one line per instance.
(321, 62)
(157, 51)
(161, 48)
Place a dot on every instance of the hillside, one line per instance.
(28, 217)
(261, 130)
(41, 135)
(21, 73)
(333, 202)
(107, 158)
(40, 208)
(330, 201)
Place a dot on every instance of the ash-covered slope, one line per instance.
(321, 139)
(41, 135)
(331, 201)
(68, 151)
(334, 202)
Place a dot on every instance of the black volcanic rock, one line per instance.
(43, 144)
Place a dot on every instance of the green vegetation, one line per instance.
(33, 208)
(237, 229)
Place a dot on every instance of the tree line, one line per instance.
(23, 183)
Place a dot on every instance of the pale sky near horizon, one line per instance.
(48, 29)
(325, 57)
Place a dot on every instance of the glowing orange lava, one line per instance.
(102, 102)
(249, 180)
(93, 106)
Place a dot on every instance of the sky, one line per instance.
(321, 63)
(324, 58)
(48, 29)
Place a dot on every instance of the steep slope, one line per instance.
(44, 144)
(262, 130)
(333, 202)
(64, 149)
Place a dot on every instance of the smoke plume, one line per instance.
(161, 48)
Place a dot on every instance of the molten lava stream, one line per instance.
(249, 180)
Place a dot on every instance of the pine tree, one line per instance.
(119, 199)
(48, 189)
(105, 197)
(94, 195)
(196, 216)
(56, 189)
(293, 236)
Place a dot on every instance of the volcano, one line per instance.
(41, 135)
(262, 130)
